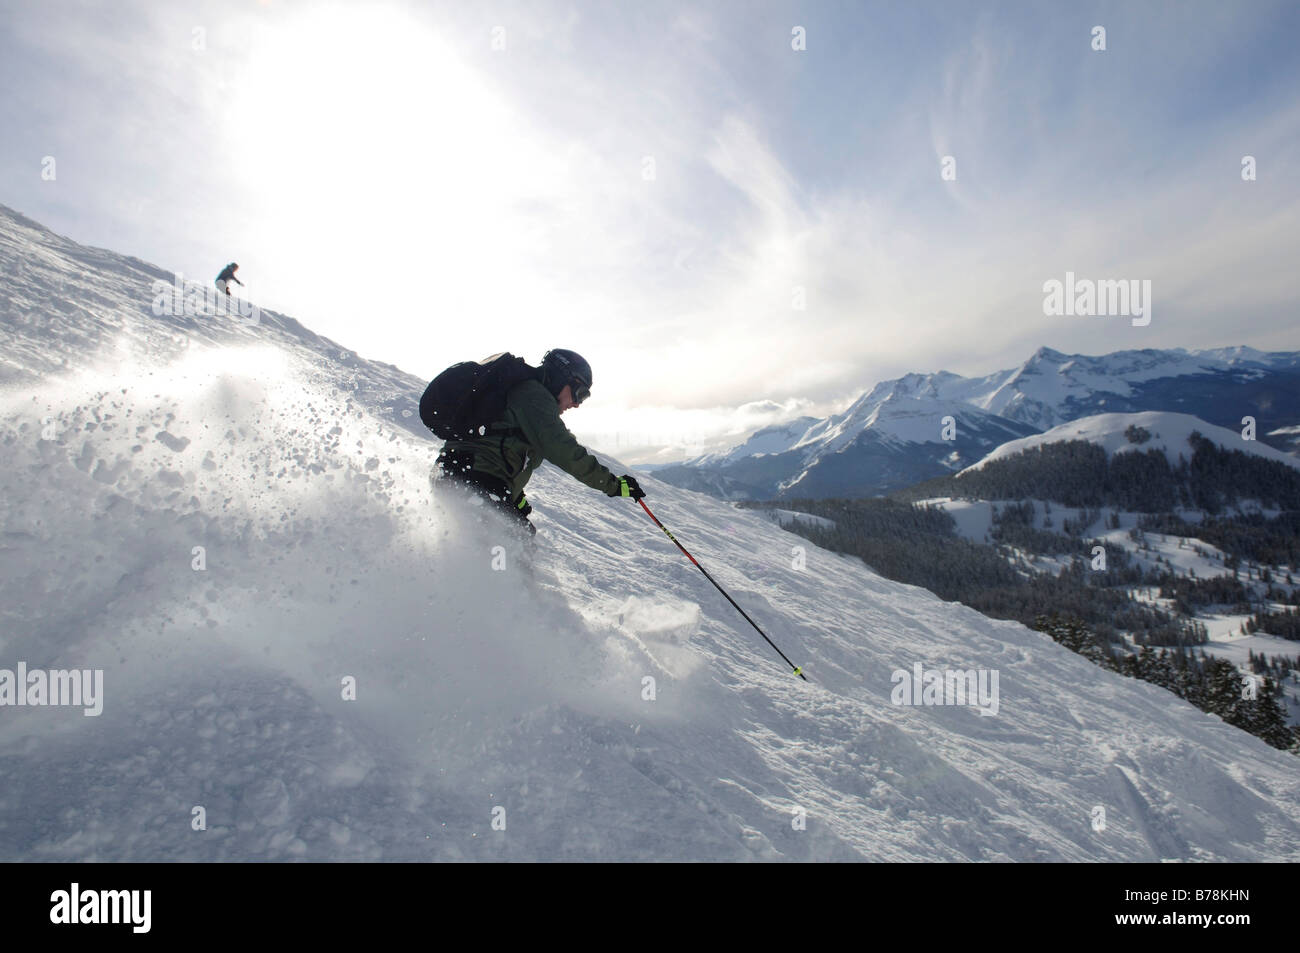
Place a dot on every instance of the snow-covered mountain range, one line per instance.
(921, 426)
(1051, 388)
(308, 652)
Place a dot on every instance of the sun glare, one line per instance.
(360, 132)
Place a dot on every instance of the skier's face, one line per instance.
(566, 398)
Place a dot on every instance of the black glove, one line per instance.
(627, 486)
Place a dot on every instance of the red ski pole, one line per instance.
(797, 669)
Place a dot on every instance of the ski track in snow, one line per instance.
(328, 555)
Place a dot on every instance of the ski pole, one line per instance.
(797, 669)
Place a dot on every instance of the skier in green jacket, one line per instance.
(499, 464)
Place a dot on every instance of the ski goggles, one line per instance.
(579, 390)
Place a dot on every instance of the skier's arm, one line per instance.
(539, 419)
(237, 281)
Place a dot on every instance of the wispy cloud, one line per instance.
(731, 230)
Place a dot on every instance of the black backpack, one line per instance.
(463, 400)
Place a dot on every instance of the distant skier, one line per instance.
(227, 276)
(498, 463)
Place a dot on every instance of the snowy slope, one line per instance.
(327, 556)
(66, 305)
(1170, 433)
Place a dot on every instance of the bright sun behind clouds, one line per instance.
(365, 106)
(373, 155)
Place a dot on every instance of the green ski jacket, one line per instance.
(531, 431)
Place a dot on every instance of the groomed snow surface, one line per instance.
(326, 556)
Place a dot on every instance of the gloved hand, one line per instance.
(627, 486)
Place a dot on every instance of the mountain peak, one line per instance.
(1046, 353)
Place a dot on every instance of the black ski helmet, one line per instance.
(561, 366)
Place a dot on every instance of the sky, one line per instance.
(738, 212)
